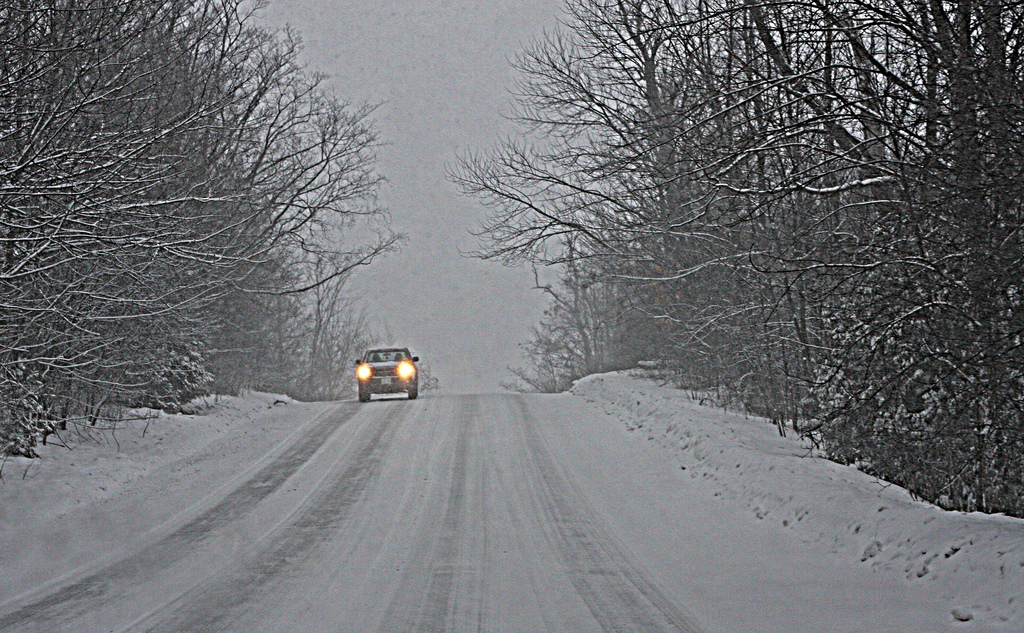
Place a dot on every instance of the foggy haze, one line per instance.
(779, 391)
(441, 71)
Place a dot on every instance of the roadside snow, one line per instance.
(972, 563)
(102, 492)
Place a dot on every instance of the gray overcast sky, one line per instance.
(441, 69)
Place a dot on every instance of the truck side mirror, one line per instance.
(358, 362)
(415, 359)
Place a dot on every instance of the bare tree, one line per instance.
(156, 159)
(819, 201)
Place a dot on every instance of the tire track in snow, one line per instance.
(482, 584)
(442, 581)
(215, 605)
(106, 585)
(433, 611)
(616, 591)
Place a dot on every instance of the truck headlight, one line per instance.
(406, 370)
(364, 372)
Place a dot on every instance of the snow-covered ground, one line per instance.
(110, 490)
(617, 503)
(968, 567)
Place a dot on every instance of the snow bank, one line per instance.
(100, 492)
(973, 562)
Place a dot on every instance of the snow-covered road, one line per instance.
(455, 513)
(447, 513)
